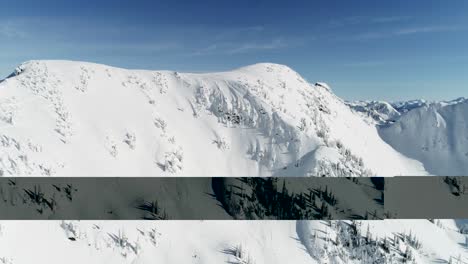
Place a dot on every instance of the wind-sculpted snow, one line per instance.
(74, 118)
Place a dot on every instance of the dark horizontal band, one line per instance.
(216, 198)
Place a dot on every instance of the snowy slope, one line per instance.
(435, 134)
(437, 242)
(75, 118)
(236, 242)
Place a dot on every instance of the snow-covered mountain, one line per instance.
(236, 242)
(68, 118)
(76, 118)
(405, 106)
(383, 112)
(379, 111)
(434, 133)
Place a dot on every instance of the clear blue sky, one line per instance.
(369, 49)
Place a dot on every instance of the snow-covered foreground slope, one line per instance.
(74, 118)
(236, 242)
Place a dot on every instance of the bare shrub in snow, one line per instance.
(322, 133)
(173, 161)
(122, 242)
(130, 139)
(221, 143)
(240, 254)
(71, 230)
(160, 123)
(171, 140)
(233, 118)
(152, 210)
(160, 81)
(339, 144)
(111, 146)
(153, 235)
(8, 110)
(37, 197)
(303, 125)
(82, 86)
(5, 260)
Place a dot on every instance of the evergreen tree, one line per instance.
(323, 210)
(229, 194)
(385, 244)
(368, 234)
(284, 190)
(274, 184)
(408, 255)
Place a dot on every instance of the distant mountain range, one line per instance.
(435, 133)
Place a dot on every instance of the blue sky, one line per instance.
(365, 49)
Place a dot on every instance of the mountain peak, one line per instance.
(262, 119)
(266, 66)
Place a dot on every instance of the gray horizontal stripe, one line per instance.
(213, 198)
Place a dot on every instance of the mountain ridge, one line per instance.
(263, 119)
(431, 132)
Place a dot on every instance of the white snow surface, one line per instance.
(260, 242)
(66, 118)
